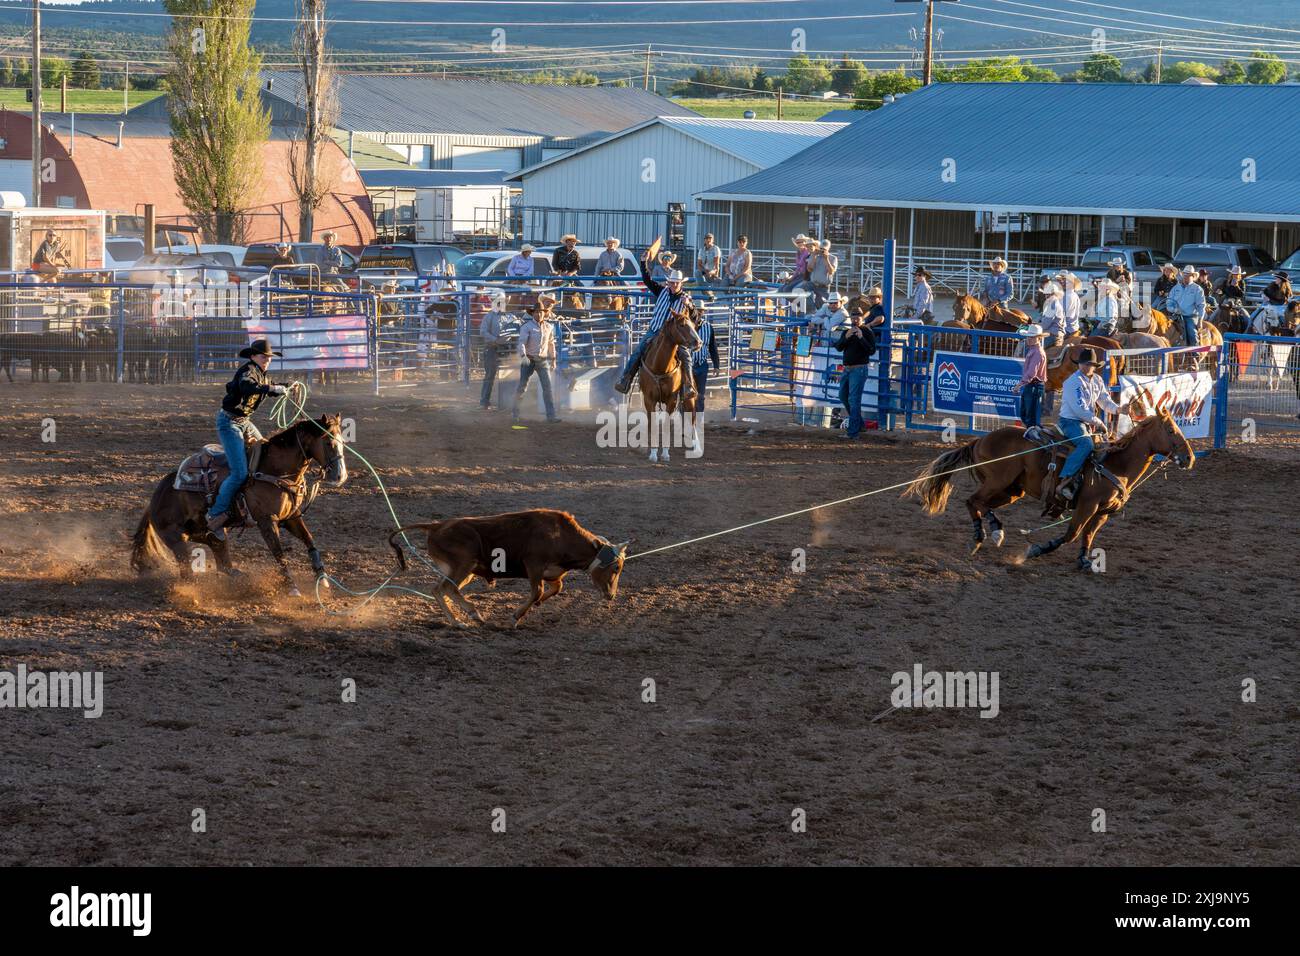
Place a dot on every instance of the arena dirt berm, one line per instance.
(1119, 690)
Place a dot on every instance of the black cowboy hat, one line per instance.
(259, 347)
(921, 271)
(1089, 356)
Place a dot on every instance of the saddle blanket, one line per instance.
(205, 470)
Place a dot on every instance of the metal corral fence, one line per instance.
(1258, 387)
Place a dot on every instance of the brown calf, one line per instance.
(541, 545)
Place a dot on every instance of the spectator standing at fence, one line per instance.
(822, 266)
(244, 393)
(708, 261)
(858, 345)
(331, 256)
(799, 274)
(1187, 304)
(922, 296)
(740, 264)
(566, 261)
(537, 354)
(491, 336)
(521, 265)
(1033, 378)
(999, 289)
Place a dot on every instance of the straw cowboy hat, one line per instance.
(545, 297)
(999, 261)
(874, 293)
(1169, 267)
(612, 239)
(1052, 289)
(498, 300)
(567, 236)
(1236, 270)
(834, 297)
(526, 247)
(1030, 331)
(1189, 270)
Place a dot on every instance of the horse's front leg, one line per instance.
(298, 528)
(270, 529)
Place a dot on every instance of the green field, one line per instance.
(764, 108)
(79, 101)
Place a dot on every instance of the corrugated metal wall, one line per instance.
(645, 170)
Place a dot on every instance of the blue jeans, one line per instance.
(1191, 330)
(542, 367)
(491, 362)
(634, 361)
(701, 373)
(232, 433)
(1077, 432)
(1031, 404)
(851, 382)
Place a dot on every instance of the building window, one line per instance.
(844, 225)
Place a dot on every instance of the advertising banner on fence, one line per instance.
(1187, 396)
(314, 342)
(966, 384)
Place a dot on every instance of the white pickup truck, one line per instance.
(1143, 262)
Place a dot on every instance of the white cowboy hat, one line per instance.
(497, 300)
(567, 236)
(546, 297)
(1118, 261)
(834, 297)
(1107, 284)
(1029, 331)
(801, 238)
(1053, 289)
(1189, 270)
(999, 261)
(611, 239)
(826, 243)
(526, 248)
(674, 275)
(784, 276)
(1236, 270)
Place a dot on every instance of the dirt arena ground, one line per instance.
(1119, 691)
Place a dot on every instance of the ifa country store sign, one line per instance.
(962, 383)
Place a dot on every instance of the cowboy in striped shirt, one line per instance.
(700, 358)
(670, 297)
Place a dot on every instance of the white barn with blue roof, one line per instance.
(1040, 170)
(639, 182)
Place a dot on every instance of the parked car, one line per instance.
(121, 252)
(403, 263)
(1256, 284)
(1143, 262)
(263, 254)
(1218, 257)
(179, 267)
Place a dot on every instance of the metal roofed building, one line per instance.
(1039, 169)
(471, 123)
(639, 182)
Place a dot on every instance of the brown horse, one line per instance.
(1009, 466)
(662, 374)
(1059, 371)
(277, 497)
(968, 311)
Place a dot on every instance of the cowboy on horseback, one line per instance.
(999, 288)
(244, 393)
(1083, 391)
(669, 299)
(1186, 305)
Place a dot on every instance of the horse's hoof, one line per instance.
(294, 593)
(1033, 552)
(975, 549)
(997, 538)
(322, 581)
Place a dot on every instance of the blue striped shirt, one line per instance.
(665, 303)
(701, 355)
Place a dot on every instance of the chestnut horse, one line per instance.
(1009, 466)
(174, 518)
(969, 312)
(1059, 371)
(661, 374)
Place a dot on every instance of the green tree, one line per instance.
(1040, 74)
(995, 69)
(803, 75)
(847, 75)
(1231, 73)
(876, 86)
(1265, 69)
(583, 78)
(85, 72)
(7, 78)
(218, 122)
(761, 82)
(1101, 68)
(53, 70)
(1185, 70)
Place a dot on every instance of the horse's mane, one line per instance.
(1119, 444)
(285, 438)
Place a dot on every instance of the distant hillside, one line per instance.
(409, 24)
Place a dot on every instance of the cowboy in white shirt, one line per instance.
(1071, 305)
(922, 296)
(1053, 314)
(522, 264)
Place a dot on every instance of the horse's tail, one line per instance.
(397, 548)
(146, 548)
(934, 484)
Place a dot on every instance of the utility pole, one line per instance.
(63, 95)
(645, 81)
(926, 69)
(1160, 55)
(126, 86)
(36, 102)
(780, 90)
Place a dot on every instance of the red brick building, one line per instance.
(89, 166)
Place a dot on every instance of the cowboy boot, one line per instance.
(217, 526)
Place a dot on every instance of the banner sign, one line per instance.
(1188, 396)
(962, 383)
(315, 342)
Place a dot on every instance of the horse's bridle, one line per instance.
(330, 461)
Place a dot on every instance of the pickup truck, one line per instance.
(1217, 257)
(1143, 262)
(1256, 284)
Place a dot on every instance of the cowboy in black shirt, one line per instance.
(244, 393)
(565, 261)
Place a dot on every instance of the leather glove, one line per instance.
(278, 390)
